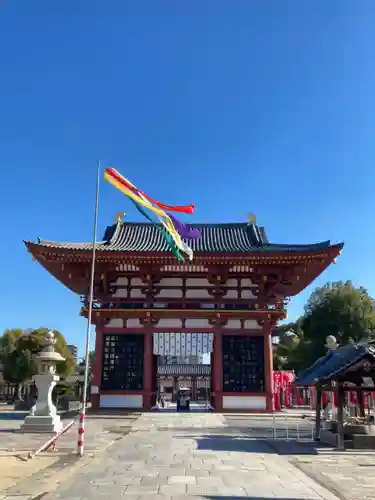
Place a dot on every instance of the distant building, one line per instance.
(181, 360)
(74, 350)
(197, 378)
(175, 372)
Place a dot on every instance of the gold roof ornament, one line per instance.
(118, 217)
(251, 219)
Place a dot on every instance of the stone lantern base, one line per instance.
(43, 418)
(42, 424)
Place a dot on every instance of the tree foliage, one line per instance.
(81, 365)
(338, 309)
(18, 348)
(292, 349)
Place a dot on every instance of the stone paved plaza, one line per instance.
(102, 431)
(101, 428)
(179, 456)
(199, 455)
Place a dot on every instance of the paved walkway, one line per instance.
(182, 456)
(101, 428)
(17, 477)
(349, 474)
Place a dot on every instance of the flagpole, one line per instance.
(82, 415)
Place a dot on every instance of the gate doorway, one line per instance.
(194, 379)
(183, 363)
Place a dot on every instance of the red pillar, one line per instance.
(268, 371)
(97, 368)
(217, 379)
(147, 371)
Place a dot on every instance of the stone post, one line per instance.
(43, 417)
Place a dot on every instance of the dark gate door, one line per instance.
(212, 388)
(154, 388)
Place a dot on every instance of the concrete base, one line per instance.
(42, 424)
(328, 437)
(363, 441)
(368, 430)
(354, 442)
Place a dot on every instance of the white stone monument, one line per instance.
(43, 417)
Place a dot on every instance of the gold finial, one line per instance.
(118, 217)
(251, 219)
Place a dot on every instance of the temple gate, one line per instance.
(235, 290)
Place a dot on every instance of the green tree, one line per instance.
(17, 350)
(81, 365)
(281, 348)
(292, 350)
(338, 309)
(16, 360)
(64, 368)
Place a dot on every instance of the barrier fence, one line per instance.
(287, 427)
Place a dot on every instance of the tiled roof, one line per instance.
(335, 363)
(184, 370)
(215, 238)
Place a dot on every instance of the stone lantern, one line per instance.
(43, 417)
(331, 343)
(329, 412)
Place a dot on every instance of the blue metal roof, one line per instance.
(335, 363)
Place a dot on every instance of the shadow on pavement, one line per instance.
(238, 443)
(13, 415)
(112, 416)
(218, 497)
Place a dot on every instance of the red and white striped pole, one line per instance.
(81, 435)
(82, 415)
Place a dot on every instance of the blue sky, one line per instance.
(249, 106)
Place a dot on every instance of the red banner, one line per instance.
(288, 388)
(277, 382)
(283, 386)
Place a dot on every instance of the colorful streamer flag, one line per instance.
(172, 229)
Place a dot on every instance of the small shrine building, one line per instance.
(225, 303)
